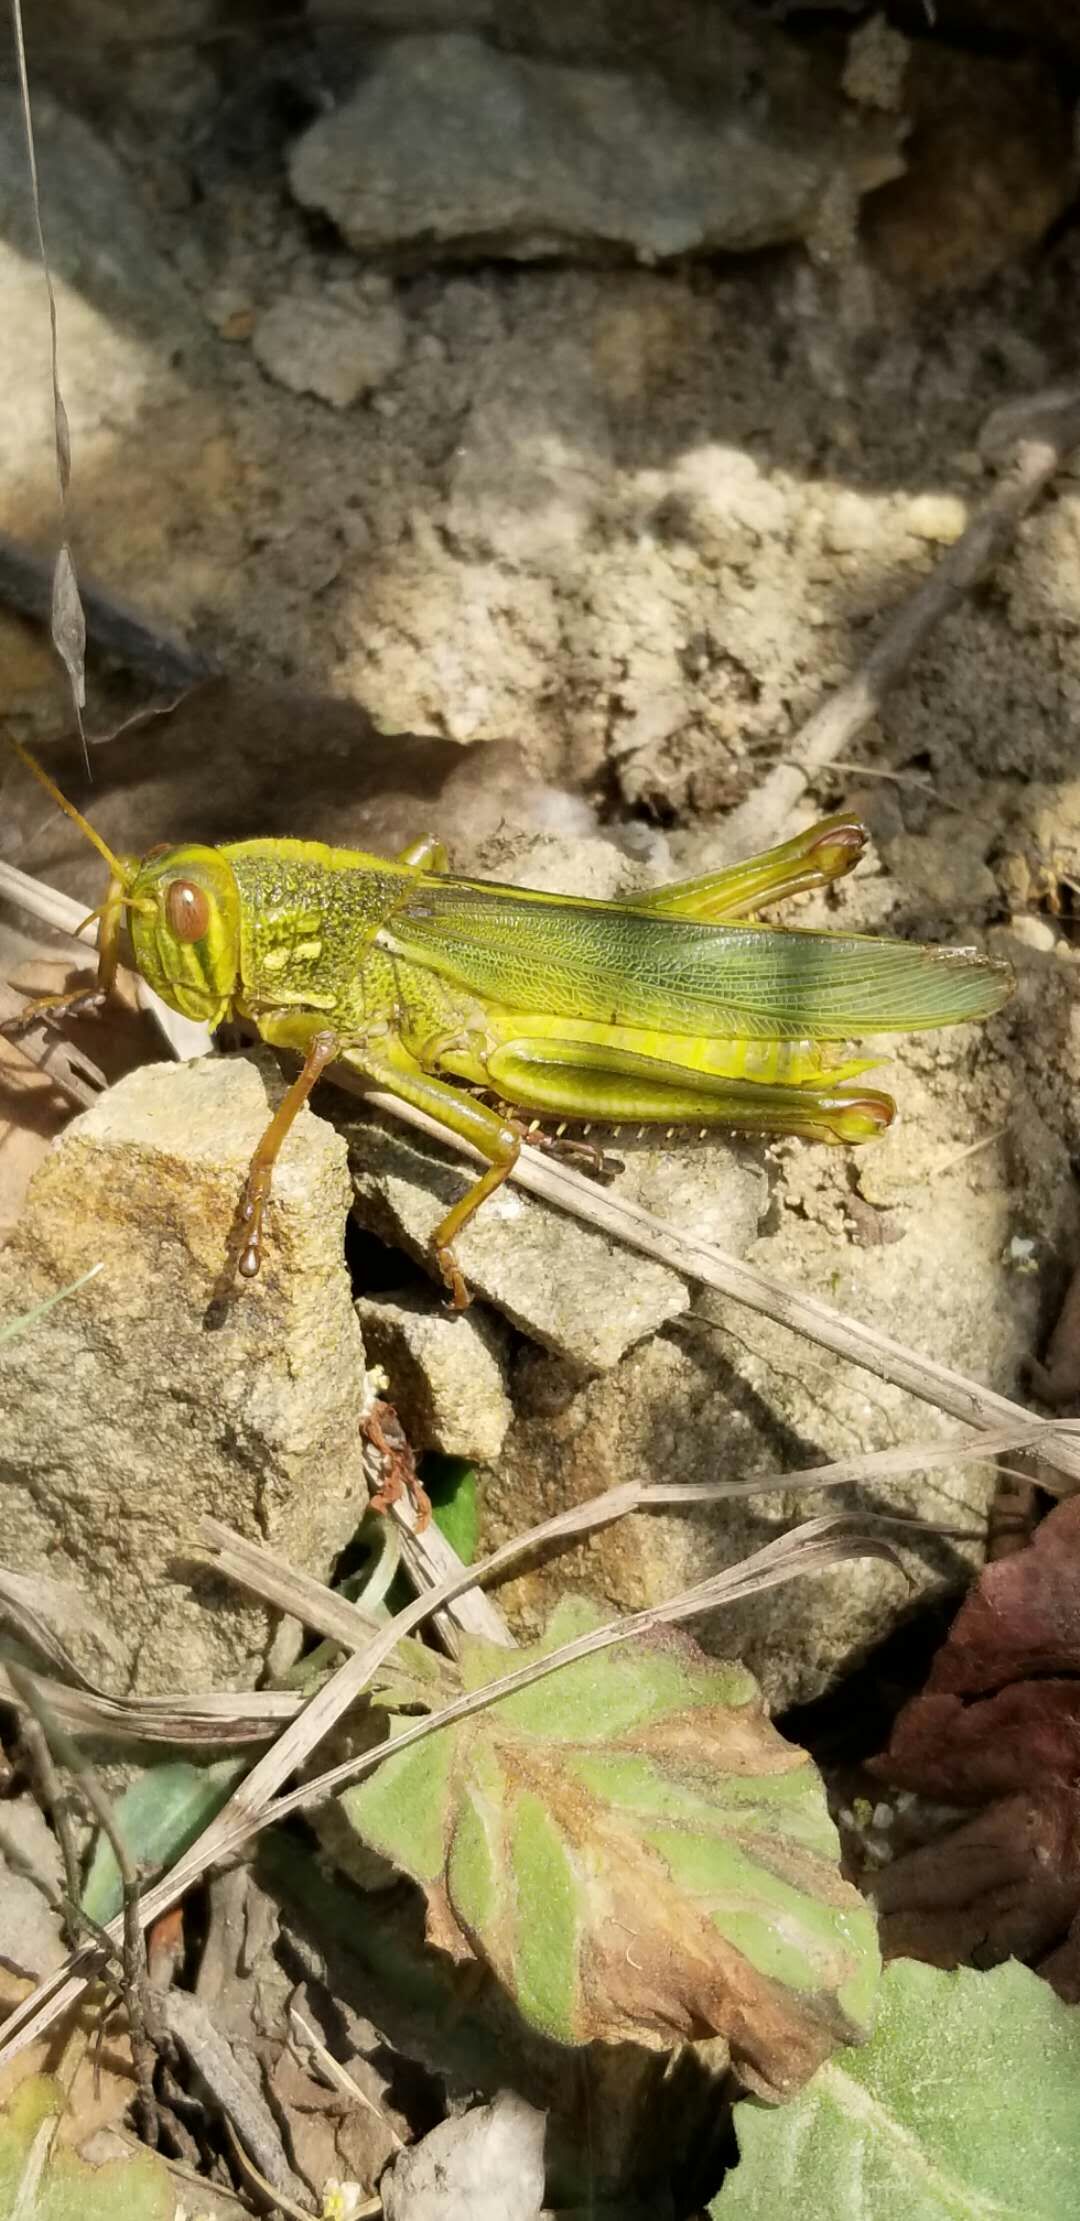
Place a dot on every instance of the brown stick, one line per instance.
(1036, 434)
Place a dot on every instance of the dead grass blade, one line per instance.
(221, 1720)
(256, 1801)
(817, 1545)
(25, 1600)
(67, 623)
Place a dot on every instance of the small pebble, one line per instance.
(1035, 933)
(940, 518)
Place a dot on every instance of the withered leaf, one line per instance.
(637, 1854)
(997, 1727)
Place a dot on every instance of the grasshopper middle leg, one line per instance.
(491, 1136)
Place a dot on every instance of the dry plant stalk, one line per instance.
(253, 1716)
(67, 623)
(258, 1801)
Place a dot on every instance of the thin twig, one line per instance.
(55, 1798)
(268, 2192)
(136, 1984)
(963, 1156)
(1044, 429)
(336, 2074)
(233, 2090)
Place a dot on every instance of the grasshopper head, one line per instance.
(183, 908)
(184, 922)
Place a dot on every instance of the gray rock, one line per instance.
(336, 351)
(450, 147)
(727, 1395)
(31, 1942)
(141, 1402)
(446, 1373)
(99, 240)
(571, 1289)
(485, 2165)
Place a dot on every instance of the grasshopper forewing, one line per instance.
(475, 1001)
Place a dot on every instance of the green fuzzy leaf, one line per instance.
(451, 1486)
(964, 2107)
(158, 1817)
(43, 2181)
(635, 1852)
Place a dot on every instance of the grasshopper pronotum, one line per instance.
(672, 1008)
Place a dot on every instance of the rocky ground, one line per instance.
(619, 470)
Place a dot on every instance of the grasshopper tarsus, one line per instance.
(256, 1193)
(250, 1259)
(459, 1293)
(47, 1009)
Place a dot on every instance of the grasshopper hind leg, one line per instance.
(592, 1080)
(494, 1137)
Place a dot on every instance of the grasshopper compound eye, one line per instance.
(187, 909)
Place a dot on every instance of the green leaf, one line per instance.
(40, 2180)
(964, 2107)
(159, 1817)
(451, 1486)
(635, 1852)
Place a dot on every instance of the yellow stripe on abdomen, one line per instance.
(768, 1063)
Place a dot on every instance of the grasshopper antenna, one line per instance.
(119, 873)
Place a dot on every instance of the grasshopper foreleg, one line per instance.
(322, 1049)
(75, 1002)
(48, 1008)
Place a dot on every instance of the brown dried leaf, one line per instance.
(998, 1725)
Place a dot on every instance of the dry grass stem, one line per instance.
(306, 2039)
(257, 1801)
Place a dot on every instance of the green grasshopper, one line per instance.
(475, 1001)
